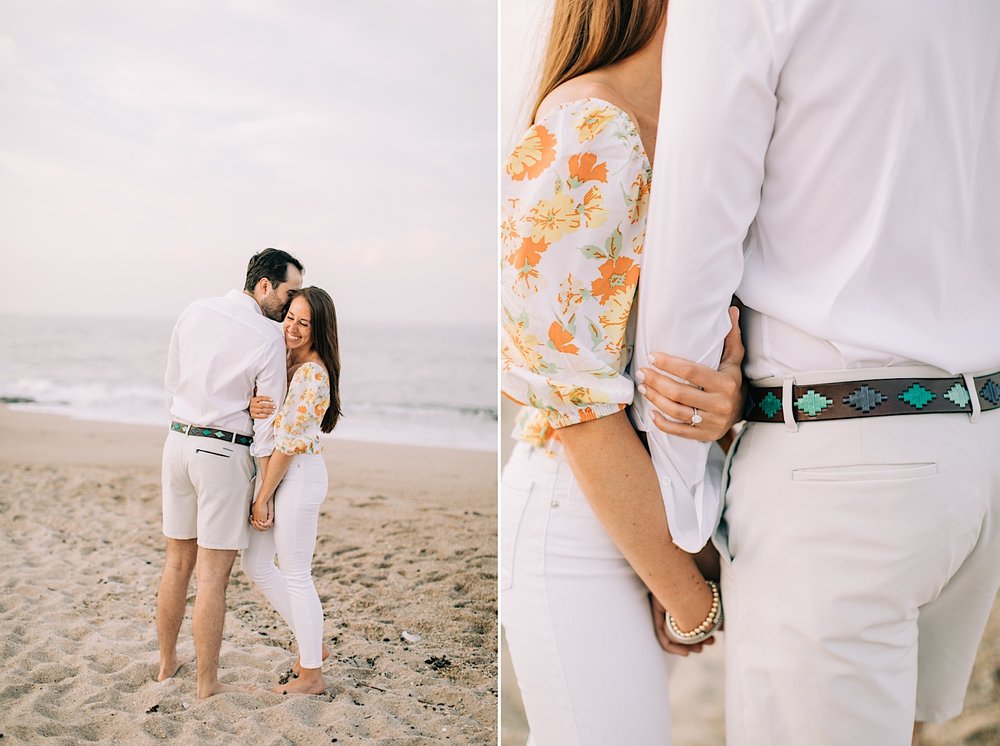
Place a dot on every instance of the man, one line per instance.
(220, 351)
(837, 166)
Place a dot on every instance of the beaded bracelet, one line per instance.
(704, 630)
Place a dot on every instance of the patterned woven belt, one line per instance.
(211, 432)
(877, 398)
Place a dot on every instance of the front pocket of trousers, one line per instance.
(513, 503)
(865, 472)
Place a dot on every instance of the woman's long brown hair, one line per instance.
(326, 345)
(589, 34)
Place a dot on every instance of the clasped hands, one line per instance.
(262, 513)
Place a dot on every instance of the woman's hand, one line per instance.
(717, 395)
(262, 407)
(663, 637)
(262, 513)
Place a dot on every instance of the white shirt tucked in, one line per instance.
(221, 348)
(837, 166)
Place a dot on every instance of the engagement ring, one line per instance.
(695, 418)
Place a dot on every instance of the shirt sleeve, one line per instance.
(271, 381)
(721, 63)
(297, 425)
(574, 199)
(172, 376)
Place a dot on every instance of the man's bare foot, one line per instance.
(297, 668)
(220, 688)
(310, 681)
(170, 666)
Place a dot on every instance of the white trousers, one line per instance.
(861, 558)
(292, 539)
(577, 618)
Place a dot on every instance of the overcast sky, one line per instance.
(147, 149)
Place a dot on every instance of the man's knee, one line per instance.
(182, 554)
(215, 565)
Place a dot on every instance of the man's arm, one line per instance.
(717, 112)
(172, 376)
(272, 382)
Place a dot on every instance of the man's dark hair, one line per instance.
(272, 264)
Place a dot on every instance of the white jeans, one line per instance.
(577, 618)
(861, 562)
(293, 539)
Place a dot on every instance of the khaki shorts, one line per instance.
(207, 490)
(860, 565)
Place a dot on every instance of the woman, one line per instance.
(294, 482)
(583, 532)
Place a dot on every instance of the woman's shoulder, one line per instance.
(311, 369)
(582, 93)
(578, 123)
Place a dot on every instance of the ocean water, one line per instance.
(427, 385)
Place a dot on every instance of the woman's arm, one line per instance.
(274, 468)
(618, 479)
(292, 435)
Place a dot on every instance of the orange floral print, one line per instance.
(508, 231)
(617, 276)
(593, 122)
(534, 154)
(551, 218)
(562, 340)
(529, 253)
(593, 210)
(297, 425)
(637, 198)
(584, 167)
(572, 242)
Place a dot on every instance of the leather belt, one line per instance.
(211, 432)
(874, 398)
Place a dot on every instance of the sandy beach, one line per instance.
(407, 542)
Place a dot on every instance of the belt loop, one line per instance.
(786, 404)
(977, 407)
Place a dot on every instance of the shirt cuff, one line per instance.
(693, 511)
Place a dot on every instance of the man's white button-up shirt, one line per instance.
(222, 348)
(836, 164)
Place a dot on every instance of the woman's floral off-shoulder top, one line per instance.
(297, 426)
(574, 194)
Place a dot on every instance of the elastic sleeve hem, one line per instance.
(585, 414)
(290, 452)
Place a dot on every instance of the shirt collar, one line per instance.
(238, 296)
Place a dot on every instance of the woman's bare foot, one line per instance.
(297, 668)
(170, 666)
(220, 688)
(310, 681)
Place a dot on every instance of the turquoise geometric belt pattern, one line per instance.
(877, 398)
(211, 432)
